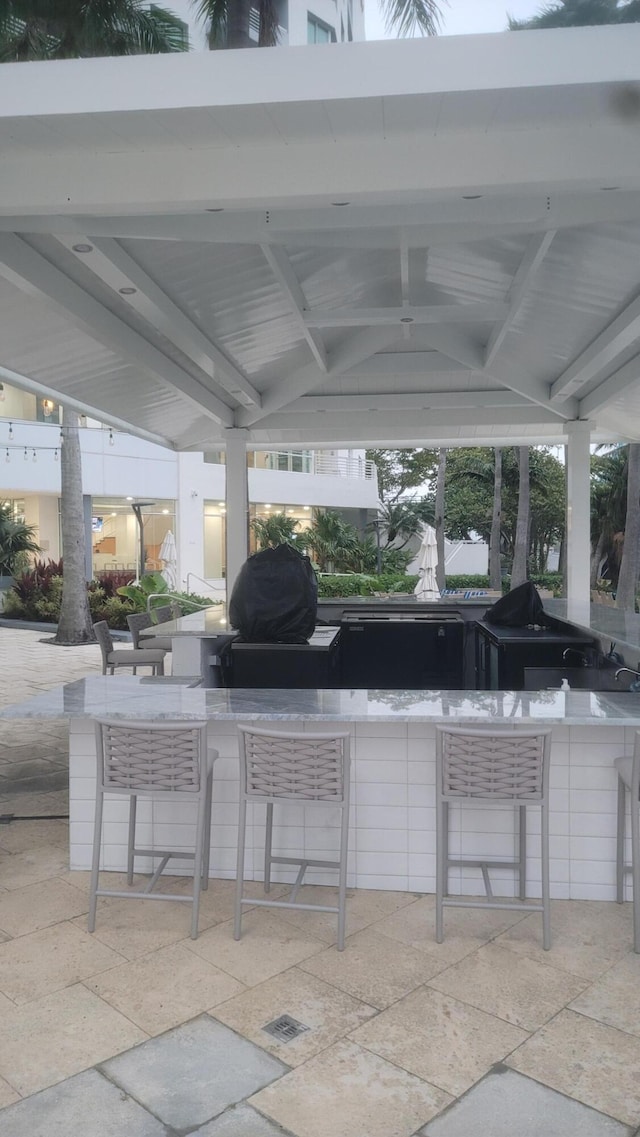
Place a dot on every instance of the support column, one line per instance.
(578, 520)
(237, 498)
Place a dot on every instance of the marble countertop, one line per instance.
(141, 697)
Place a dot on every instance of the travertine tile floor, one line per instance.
(482, 1034)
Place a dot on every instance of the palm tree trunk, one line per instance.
(628, 578)
(74, 626)
(596, 558)
(238, 12)
(519, 571)
(495, 575)
(439, 518)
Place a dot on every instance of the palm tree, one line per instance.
(520, 568)
(630, 564)
(580, 13)
(334, 542)
(275, 530)
(74, 625)
(495, 572)
(72, 29)
(439, 519)
(15, 538)
(227, 21)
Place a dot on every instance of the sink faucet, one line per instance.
(581, 655)
(628, 671)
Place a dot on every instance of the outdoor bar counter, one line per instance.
(392, 838)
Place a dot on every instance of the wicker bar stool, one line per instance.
(277, 766)
(509, 766)
(126, 657)
(162, 761)
(138, 623)
(628, 770)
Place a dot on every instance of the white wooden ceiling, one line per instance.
(395, 243)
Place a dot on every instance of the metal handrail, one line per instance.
(173, 596)
(212, 587)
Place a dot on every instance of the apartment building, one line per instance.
(185, 492)
(299, 21)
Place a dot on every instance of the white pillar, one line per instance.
(578, 520)
(237, 498)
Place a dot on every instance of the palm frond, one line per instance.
(412, 17)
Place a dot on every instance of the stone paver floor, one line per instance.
(140, 1031)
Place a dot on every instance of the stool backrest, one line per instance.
(103, 636)
(137, 623)
(307, 767)
(492, 764)
(150, 757)
(163, 614)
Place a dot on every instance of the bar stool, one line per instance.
(167, 761)
(628, 770)
(492, 766)
(277, 766)
(126, 657)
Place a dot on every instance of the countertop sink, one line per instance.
(580, 679)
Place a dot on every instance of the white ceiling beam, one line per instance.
(433, 314)
(427, 400)
(601, 353)
(117, 269)
(34, 275)
(24, 383)
(606, 392)
(403, 423)
(282, 269)
(534, 255)
(396, 363)
(358, 348)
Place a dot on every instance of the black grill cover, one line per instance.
(519, 608)
(275, 597)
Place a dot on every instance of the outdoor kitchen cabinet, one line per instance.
(503, 653)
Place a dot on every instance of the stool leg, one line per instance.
(197, 867)
(544, 861)
(268, 844)
(442, 854)
(342, 886)
(622, 804)
(95, 863)
(131, 837)
(206, 846)
(242, 826)
(635, 872)
(522, 850)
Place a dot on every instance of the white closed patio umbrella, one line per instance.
(169, 555)
(427, 586)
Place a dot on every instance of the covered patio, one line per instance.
(410, 243)
(417, 243)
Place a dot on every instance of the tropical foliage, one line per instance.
(16, 538)
(278, 529)
(580, 13)
(72, 29)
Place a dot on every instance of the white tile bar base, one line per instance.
(392, 837)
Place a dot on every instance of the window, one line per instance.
(318, 31)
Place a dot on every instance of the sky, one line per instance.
(462, 17)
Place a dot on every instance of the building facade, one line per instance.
(185, 492)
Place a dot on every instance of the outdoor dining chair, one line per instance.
(126, 657)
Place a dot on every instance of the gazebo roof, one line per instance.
(393, 243)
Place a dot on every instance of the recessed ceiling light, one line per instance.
(221, 504)
(127, 290)
(129, 499)
(406, 319)
(471, 196)
(306, 507)
(341, 203)
(267, 505)
(82, 248)
(165, 510)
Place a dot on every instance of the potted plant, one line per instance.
(16, 539)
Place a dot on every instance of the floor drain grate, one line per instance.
(285, 1029)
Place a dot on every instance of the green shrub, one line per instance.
(467, 580)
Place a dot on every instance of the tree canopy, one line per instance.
(72, 29)
(580, 13)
